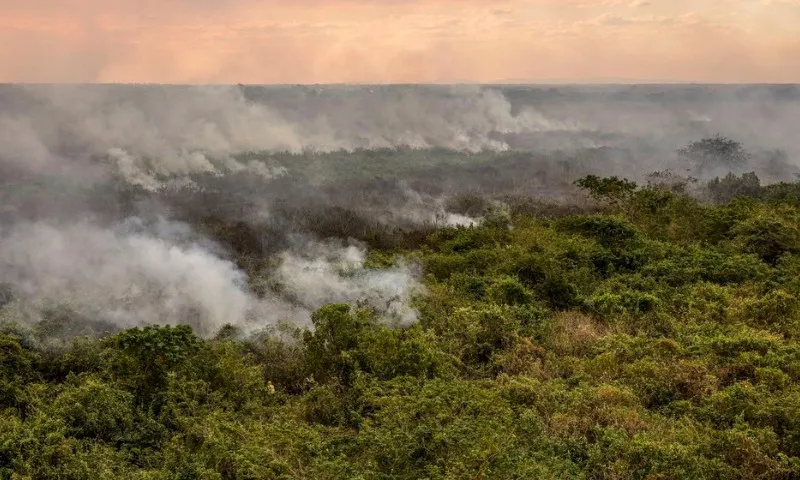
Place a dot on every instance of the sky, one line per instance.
(399, 41)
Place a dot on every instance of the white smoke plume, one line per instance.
(153, 174)
(163, 274)
(423, 209)
(147, 133)
(318, 274)
(172, 131)
(125, 278)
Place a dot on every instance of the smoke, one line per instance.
(154, 175)
(425, 209)
(150, 132)
(122, 277)
(82, 167)
(315, 274)
(134, 274)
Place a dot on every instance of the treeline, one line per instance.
(642, 334)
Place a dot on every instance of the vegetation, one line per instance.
(648, 336)
(714, 152)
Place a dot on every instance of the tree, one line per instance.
(668, 180)
(609, 189)
(148, 354)
(731, 186)
(332, 349)
(714, 152)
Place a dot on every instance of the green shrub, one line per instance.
(93, 409)
(769, 237)
(332, 349)
(508, 291)
(609, 189)
(611, 232)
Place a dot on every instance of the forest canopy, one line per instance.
(638, 333)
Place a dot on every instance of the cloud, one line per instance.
(612, 3)
(311, 41)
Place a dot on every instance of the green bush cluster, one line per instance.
(655, 339)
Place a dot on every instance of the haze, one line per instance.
(399, 41)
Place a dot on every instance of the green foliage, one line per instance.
(407, 353)
(497, 216)
(731, 186)
(445, 430)
(331, 350)
(17, 368)
(657, 338)
(96, 410)
(157, 348)
(608, 231)
(508, 291)
(767, 236)
(689, 265)
(610, 189)
(782, 192)
(147, 355)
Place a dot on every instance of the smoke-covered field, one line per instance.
(131, 205)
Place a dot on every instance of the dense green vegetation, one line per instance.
(646, 335)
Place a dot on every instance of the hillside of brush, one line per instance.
(638, 331)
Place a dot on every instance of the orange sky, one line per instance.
(399, 41)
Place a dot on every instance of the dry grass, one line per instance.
(573, 333)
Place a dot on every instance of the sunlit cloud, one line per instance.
(315, 41)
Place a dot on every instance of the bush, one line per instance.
(508, 291)
(731, 186)
(769, 237)
(609, 189)
(332, 350)
(611, 232)
(96, 410)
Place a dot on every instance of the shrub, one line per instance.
(508, 291)
(609, 189)
(731, 186)
(769, 237)
(332, 349)
(573, 333)
(96, 410)
(611, 232)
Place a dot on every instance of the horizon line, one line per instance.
(443, 84)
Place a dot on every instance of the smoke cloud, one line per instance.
(316, 274)
(123, 277)
(132, 275)
(111, 194)
(151, 132)
(147, 133)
